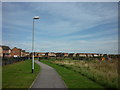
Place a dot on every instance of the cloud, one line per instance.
(96, 46)
(66, 27)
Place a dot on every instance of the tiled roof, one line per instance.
(5, 47)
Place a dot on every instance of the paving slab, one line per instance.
(48, 78)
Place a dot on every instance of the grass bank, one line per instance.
(101, 72)
(71, 78)
(18, 75)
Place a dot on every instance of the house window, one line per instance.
(14, 51)
(6, 53)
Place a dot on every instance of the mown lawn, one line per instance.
(18, 75)
(71, 78)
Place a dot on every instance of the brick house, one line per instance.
(35, 54)
(81, 54)
(27, 54)
(65, 54)
(96, 55)
(22, 53)
(72, 54)
(40, 54)
(5, 51)
(59, 54)
(1, 54)
(50, 54)
(89, 55)
(31, 54)
(16, 52)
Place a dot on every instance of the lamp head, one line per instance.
(36, 17)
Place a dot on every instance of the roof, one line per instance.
(27, 52)
(17, 48)
(5, 47)
(23, 50)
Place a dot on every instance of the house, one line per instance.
(35, 54)
(27, 54)
(81, 54)
(40, 54)
(22, 53)
(5, 51)
(1, 54)
(16, 52)
(31, 54)
(65, 54)
(89, 55)
(70, 54)
(50, 54)
(77, 54)
(96, 55)
(59, 54)
(46, 54)
(74, 55)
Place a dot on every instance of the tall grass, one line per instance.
(102, 72)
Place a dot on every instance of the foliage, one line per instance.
(102, 72)
(71, 78)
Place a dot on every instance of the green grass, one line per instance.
(19, 75)
(73, 79)
(102, 72)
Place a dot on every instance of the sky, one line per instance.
(73, 27)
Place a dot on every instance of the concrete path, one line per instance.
(48, 78)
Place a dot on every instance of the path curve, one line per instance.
(48, 78)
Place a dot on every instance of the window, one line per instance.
(14, 51)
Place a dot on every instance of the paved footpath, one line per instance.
(48, 78)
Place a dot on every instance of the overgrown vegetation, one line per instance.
(71, 78)
(102, 72)
(18, 75)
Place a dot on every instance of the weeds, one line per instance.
(102, 72)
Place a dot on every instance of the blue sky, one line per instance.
(63, 26)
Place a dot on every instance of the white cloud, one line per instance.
(76, 18)
(106, 46)
(59, 19)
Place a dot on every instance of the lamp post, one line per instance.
(36, 17)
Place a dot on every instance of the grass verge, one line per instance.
(101, 72)
(73, 79)
(19, 75)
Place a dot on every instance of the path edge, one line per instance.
(59, 76)
(34, 79)
(40, 72)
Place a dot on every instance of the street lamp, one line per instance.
(36, 17)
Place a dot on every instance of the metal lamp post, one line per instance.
(36, 17)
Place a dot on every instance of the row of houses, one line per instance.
(5, 51)
(60, 54)
(76, 56)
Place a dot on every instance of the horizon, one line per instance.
(89, 27)
(62, 52)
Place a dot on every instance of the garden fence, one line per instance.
(11, 60)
